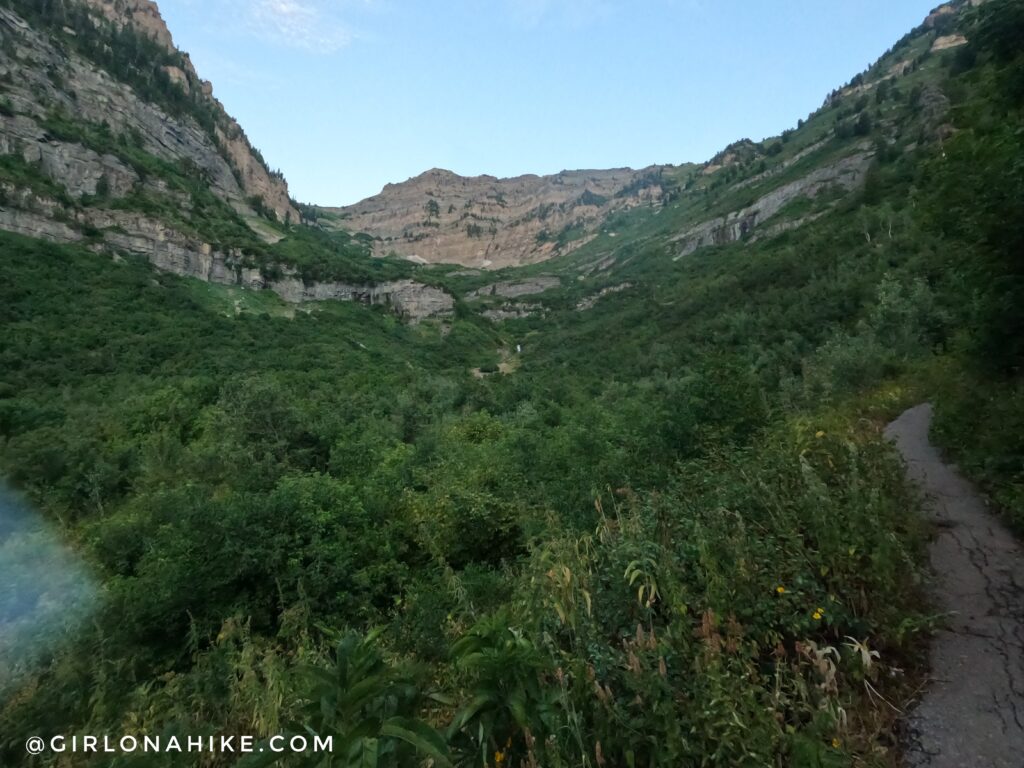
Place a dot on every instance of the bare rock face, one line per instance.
(170, 250)
(44, 78)
(512, 311)
(847, 173)
(413, 301)
(237, 171)
(591, 301)
(178, 77)
(143, 15)
(410, 300)
(489, 223)
(946, 42)
(78, 169)
(31, 224)
(933, 18)
(511, 289)
(90, 96)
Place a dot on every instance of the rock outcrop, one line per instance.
(59, 107)
(43, 75)
(847, 173)
(511, 289)
(170, 250)
(591, 301)
(254, 177)
(143, 15)
(946, 42)
(30, 224)
(489, 223)
(412, 301)
(80, 170)
(512, 311)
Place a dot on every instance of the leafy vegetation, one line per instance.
(671, 536)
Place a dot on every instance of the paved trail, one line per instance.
(971, 714)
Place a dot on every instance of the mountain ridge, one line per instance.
(109, 138)
(488, 222)
(437, 217)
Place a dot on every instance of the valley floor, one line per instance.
(972, 712)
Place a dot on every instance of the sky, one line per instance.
(345, 96)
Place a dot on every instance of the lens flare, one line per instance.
(45, 589)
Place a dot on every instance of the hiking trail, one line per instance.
(971, 713)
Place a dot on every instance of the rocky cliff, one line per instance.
(489, 223)
(253, 176)
(46, 82)
(842, 175)
(170, 250)
(109, 138)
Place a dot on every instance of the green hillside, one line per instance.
(650, 522)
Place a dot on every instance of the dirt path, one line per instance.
(971, 714)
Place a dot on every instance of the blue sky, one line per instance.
(345, 96)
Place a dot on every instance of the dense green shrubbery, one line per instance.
(237, 495)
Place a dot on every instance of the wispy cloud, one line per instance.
(312, 25)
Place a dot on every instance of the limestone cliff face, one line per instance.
(513, 289)
(251, 173)
(78, 133)
(89, 96)
(170, 250)
(78, 169)
(846, 174)
(143, 15)
(490, 223)
(41, 76)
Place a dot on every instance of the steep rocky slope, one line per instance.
(108, 136)
(750, 192)
(491, 223)
(46, 73)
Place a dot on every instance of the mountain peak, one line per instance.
(484, 221)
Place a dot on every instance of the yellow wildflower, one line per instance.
(817, 615)
(780, 589)
(499, 757)
(836, 743)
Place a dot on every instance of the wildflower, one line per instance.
(499, 757)
(818, 614)
(780, 589)
(836, 743)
